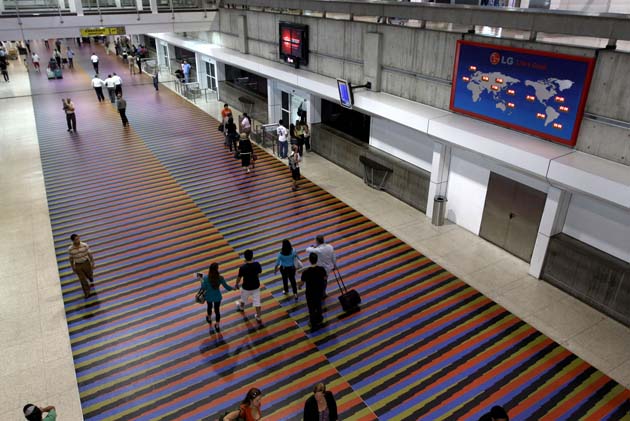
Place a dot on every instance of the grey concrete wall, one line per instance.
(406, 182)
(417, 64)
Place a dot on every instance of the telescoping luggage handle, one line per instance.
(340, 284)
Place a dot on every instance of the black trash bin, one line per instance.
(439, 208)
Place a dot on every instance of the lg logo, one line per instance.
(496, 58)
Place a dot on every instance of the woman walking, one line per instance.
(321, 405)
(294, 165)
(231, 136)
(246, 151)
(249, 410)
(211, 284)
(286, 261)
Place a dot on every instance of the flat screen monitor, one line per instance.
(345, 93)
(294, 43)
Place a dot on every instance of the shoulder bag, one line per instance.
(200, 296)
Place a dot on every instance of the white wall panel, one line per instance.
(601, 225)
(402, 142)
(467, 186)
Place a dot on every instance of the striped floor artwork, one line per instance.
(163, 199)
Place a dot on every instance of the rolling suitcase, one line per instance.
(349, 299)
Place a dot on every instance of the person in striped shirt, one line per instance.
(82, 263)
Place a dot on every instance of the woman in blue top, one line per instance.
(286, 263)
(211, 284)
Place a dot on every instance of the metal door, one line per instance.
(511, 215)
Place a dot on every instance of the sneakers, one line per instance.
(258, 319)
(296, 296)
(208, 320)
(217, 328)
(239, 307)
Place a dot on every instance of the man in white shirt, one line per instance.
(283, 141)
(325, 256)
(94, 59)
(97, 84)
(117, 83)
(110, 84)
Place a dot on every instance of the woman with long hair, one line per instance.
(211, 284)
(249, 410)
(286, 263)
(321, 405)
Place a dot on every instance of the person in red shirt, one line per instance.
(225, 111)
(249, 410)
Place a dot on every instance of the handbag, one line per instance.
(221, 127)
(200, 296)
(297, 262)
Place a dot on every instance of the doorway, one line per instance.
(511, 215)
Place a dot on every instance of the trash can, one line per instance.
(439, 207)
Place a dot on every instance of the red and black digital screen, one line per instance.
(294, 43)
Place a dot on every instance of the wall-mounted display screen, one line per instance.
(294, 43)
(535, 92)
(345, 93)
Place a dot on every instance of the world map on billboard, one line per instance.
(531, 91)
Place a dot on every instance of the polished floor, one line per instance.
(162, 199)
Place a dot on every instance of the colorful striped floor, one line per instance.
(163, 199)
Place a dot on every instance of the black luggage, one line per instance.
(349, 299)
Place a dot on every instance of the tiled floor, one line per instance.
(35, 356)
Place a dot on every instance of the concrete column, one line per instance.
(314, 110)
(118, 4)
(62, 4)
(242, 31)
(274, 102)
(171, 58)
(372, 59)
(154, 6)
(440, 167)
(551, 223)
(139, 5)
(76, 7)
(1, 5)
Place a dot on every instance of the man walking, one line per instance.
(3, 69)
(117, 83)
(249, 272)
(315, 279)
(121, 105)
(35, 60)
(71, 120)
(70, 55)
(283, 141)
(94, 59)
(325, 256)
(111, 88)
(156, 75)
(186, 69)
(82, 263)
(97, 84)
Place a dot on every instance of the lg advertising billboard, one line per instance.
(535, 92)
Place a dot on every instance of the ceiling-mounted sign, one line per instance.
(103, 31)
(535, 92)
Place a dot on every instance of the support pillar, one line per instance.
(76, 7)
(274, 102)
(242, 31)
(372, 59)
(139, 6)
(154, 6)
(551, 223)
(440, 168)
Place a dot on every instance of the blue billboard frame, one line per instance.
(535, 92)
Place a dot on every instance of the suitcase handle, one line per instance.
(339, 279)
